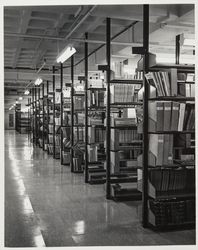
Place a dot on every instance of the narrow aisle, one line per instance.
(47, 205)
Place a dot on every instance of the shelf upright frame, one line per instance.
(39, 96)
(53, 86)
(86, 109)
(43, 94)
(33, 118)
(145, 114)
(177, 49)
(61, 112)
(36, 127)
(47, 117)
(72, 113)
(108, 121)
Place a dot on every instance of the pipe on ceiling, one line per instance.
(81, 21)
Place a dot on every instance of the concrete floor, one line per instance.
(46, 205)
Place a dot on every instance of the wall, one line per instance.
(6, 119)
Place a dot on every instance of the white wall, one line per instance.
(6, 119)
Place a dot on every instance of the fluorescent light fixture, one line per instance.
(38, 81)
(66, 54)
(17, 102)
(20, 98)
(27, 92)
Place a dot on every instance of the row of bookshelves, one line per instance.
(135, 135)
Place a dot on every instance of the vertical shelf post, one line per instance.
(61, 112)
(53, 86)
(145, 114)
(47, 117)
(177, 49)
(39, 118)
(72, 113)
(33, 118)
(36, 127)
(108, 121)
(43, 93)
(86, 108)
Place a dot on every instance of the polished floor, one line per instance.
(46, 205)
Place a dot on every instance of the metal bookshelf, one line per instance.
(154, 198)
(116, 191)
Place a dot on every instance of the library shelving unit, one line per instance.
(65, 121)
(56, 118)
(123, 143)
(32, 117)
(78, 126)
(50, 125)
(95, 135)
(168, 177)
(50, 96)
(22, 122)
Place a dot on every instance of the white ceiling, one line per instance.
(33, 34)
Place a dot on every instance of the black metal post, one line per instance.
(145, 114)
(39, 112)
(72, 113)
(53, 86)
(108, 121)
(61, 112)
(33, 118)
(47, 117)
(177, 49)
(86, 109)
(36, 110)
(43, 137)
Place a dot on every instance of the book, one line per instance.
(159, 159)
(175, 116)
(167, 116)
(181, 116)
(173, 81)
(160, 115)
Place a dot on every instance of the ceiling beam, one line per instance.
(26, 15)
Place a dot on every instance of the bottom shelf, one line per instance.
(171, 214)
(120, 193)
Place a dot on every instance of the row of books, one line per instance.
(123, 93)
(96, 118)
(164, 82)
(172, 212)
(186, 89)
(96, 98)
(117, 121)
(125, 135)
(160, 149)
(169, 115)
(79, 134)
(92, 153)
(172, 180)
(124, 159)
(96, 135)
(79, 102)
